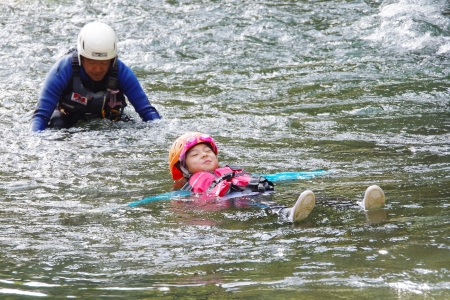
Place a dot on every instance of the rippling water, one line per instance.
(356, 87)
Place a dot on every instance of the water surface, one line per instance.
(359, 88)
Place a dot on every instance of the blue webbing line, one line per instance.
(283, 176)
(160, 197)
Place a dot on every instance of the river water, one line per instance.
(356, 87)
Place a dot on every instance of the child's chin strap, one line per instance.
(183, 170)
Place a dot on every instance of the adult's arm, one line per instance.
(132, 89)
(54, 85)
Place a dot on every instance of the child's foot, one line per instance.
(373, 198)
(303, 206)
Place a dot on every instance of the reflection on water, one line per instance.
(359, 88)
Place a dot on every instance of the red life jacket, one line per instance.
(225, 180)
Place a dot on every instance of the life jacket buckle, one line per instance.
(115, 115)
(215, 182)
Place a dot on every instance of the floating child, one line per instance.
(193, 161)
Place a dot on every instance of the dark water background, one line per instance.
(357, 87)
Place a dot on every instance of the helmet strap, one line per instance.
(184, 170)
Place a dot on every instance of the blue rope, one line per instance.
(160, 197)
(283, 176)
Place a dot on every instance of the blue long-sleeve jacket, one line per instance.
(60, 76)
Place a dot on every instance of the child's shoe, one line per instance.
(302, 208)
(373, 198)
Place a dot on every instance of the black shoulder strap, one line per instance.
(75, 62)
(234, 167)
(187, 187)
(113, 82)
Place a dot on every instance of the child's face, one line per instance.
(201, 158)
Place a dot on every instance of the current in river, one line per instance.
(359, 88)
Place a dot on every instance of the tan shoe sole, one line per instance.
(303, 207)
(373, 198)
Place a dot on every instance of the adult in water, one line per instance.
(90, 82)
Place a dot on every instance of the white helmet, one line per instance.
(97, 41)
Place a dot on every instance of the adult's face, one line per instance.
(96, 69)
